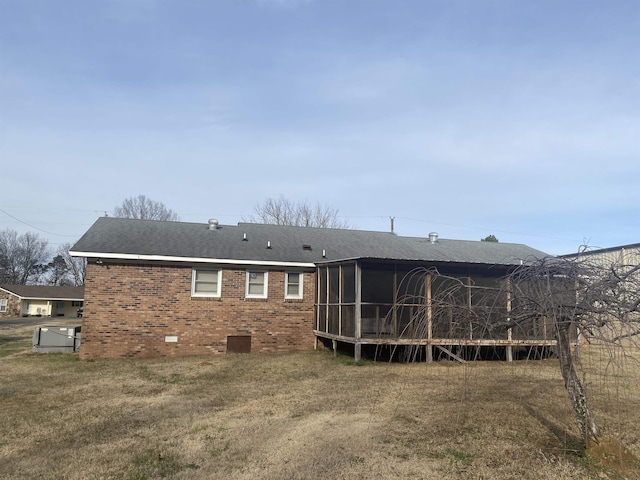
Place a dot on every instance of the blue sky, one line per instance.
(514, 118)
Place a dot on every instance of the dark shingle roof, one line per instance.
(118, 237)
(44, 292)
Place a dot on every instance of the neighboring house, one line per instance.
(39, 300)
(621, 257)
(172, 288)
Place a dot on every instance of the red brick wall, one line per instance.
(130, 309)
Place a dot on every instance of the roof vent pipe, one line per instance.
(213, 224)
(433, 237)
(244, 238)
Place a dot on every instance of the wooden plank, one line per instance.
(451, 354)
(440, 341)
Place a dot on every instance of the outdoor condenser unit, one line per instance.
(56, 339)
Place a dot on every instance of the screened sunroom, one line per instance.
(448, 308)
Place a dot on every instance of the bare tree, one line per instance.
(58, 272)
(569, 300)
(23, 258)
(592, 298)
(65, 269)
(282, 211)
(143, 208)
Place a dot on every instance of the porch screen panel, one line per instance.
(333, 308)
(322, 318)
(489, 304)
(411, 286)
(348, 321)
(334, 319)
(322, 285)
(377, 286)
(450, 308)
(349, 284)
(377, 321)
(334, 284)
(405, 322)
(321, 310)
(537, 328)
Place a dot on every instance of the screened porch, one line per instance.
(446, 306)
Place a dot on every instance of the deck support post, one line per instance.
(315, 343)
(429, 346)
(357, 352)
(509, 352)
(334, 345)
(509, 348)
(358, 306)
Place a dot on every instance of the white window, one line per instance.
(206, 283)
(3, 304)
(257, 284)
(293, 285)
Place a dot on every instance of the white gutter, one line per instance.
(166, 258)
(52, 299)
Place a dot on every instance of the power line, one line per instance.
(33, 226)
(467, 227)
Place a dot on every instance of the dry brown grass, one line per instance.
(302, 416)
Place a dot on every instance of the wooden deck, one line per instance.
(435, 342)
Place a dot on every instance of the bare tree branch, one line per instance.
(75, 267)
(143, 208)
(282, 211)
(23, 258)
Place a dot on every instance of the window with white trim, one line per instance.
(206, 283)
(293, 285)
(3, 304)
(257, 284)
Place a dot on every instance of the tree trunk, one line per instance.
(588, 428)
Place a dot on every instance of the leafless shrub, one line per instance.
(568, 300)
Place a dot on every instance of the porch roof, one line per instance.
(45, 292)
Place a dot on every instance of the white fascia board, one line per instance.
(163, 258)
(53, 299)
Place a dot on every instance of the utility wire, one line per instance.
(33, 226)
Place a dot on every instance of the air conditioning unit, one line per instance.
(56, 339)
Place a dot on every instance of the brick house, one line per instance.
(173, 288)
(39, 300)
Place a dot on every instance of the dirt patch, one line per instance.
(611, 453)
